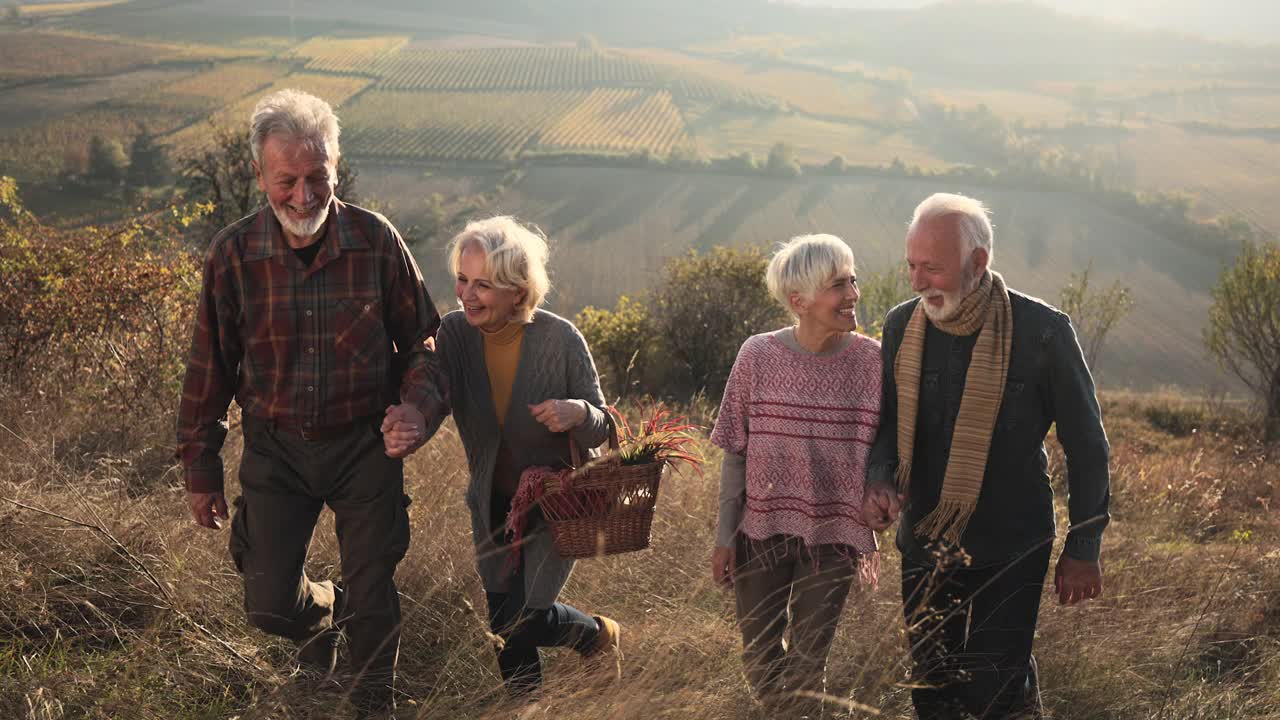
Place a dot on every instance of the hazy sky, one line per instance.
(1255, 21)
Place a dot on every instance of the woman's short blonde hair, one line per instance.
(804, 264)
(515, 257)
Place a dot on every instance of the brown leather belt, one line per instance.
(311, 433)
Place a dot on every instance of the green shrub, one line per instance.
(621, 341)
(110, 307)
(880, 292)
(704, 308)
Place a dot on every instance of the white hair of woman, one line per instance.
(515, 257)
(295, 115)
(972, 216)
(804, 265)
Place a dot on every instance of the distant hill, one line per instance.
(612, 230)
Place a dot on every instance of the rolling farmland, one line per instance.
(486, 126)
(334, 89)
(26, 56)
(223, 84)
(509, 69)
(618, 121)
(42, 151)
(355, 56)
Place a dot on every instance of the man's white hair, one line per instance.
(804, 264)
(973, 220)
(298, 116)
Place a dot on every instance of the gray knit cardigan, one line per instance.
(554, 363)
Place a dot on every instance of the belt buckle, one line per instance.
(307, 434)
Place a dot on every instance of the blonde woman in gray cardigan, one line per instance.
(521, 381)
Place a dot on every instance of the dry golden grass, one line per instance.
(114, 605)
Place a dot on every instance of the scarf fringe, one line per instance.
(947, 521)
(902, 476)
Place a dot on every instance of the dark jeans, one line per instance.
(523, 629)
(971, 631)
(285, 482)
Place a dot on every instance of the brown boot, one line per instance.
(319, 653)
(606, 652)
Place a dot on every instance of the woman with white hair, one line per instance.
(522, 381)
(799, 414)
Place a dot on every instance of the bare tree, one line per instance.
(1094, 312)
(1244, 326)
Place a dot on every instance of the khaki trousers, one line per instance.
(781, 584)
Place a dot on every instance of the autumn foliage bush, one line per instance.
(97, 313)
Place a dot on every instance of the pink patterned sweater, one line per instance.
(805, 424)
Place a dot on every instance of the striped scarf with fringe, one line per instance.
(986, 309)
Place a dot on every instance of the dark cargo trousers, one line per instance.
(971, 632)
(285, 482)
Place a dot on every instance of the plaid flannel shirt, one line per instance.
(312, 347)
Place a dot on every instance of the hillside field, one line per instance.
(613, 229)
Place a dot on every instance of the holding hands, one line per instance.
(880, 506)
(403, 430)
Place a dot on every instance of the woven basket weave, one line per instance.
(607, 508)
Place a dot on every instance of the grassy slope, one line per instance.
(1187, 624)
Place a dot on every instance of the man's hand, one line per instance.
(722, 559)
(560, 415)
(208, 509)
(1077, 580)
(880, 506)
(403, 430)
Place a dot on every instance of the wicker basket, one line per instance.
(607, 508)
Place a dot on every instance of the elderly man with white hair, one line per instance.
(799, 413)
(314, 316)
(974, 375)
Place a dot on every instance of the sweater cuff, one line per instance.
(203, 479)
(882, 474)
(1082, 547)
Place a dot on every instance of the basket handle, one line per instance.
(575, 454)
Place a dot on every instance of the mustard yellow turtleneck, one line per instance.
(501, 357)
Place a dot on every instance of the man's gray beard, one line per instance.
(305, 229)
(968, 283)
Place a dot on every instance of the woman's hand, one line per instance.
(402, 430)
(560, 415)
(722, 559)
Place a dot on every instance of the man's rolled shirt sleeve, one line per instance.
(414, 321)
(1084, 441)
(210, 382)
